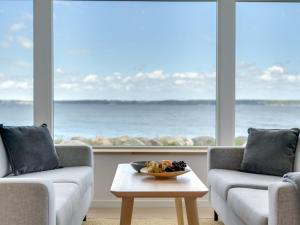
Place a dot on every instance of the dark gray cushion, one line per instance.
(29, 148)
(270, 151)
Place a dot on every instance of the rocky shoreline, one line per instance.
(143, 141)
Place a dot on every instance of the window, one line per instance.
(135, 73)
(132, 73)
(16, 62)
(268, 72)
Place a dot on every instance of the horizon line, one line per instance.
(163, 100)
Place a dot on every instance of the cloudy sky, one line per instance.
(152, 51)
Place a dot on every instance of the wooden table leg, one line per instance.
(179, 211)
(192, 210)
(126, 210)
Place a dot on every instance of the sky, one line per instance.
(152, 50)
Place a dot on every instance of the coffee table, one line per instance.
(128, 184)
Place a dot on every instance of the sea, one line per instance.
(191, 118)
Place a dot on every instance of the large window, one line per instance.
(135, 73)
(16, 62)
(268, 72)
(143, 73)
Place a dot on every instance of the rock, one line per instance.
(176, 141)
(127, 141)
(87, 141)
(184, 141)
(144, 140)
(154, 142)
(204, 141)
(149, 142)
(133, 142)
(73, 142)
(118, 141)
(102, 141)
(167, 141)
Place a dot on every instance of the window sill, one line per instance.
(151, 150)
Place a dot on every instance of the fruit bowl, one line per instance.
(165, 168)
(137, 166)
(164, 174)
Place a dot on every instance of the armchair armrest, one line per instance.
(225, 158)
(26, 201)
(74, 155)
(284, 204)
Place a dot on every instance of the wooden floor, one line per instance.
(143, 213)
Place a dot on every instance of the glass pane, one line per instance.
(135, 73)
(16, 62)
(268, 72)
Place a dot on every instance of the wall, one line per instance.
(106, 164)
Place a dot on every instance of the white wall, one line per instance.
(106, 164)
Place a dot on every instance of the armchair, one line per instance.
(54, 197)
(240, 198)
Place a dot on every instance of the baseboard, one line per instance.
(145, 203)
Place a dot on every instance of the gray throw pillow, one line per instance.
(29, 148)
(270, 151)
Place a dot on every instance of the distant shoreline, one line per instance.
(164, 102)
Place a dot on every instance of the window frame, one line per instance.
(225, 67)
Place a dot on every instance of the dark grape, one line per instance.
(169, 169)
(179, 166)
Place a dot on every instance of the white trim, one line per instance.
(145, 203)
(43, 64)
(225, 96)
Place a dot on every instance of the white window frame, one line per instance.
(225, 80)
(225, 100)
(43, 77)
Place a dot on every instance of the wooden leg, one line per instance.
(192, 210)
(126, 210)
(216, 217)
(179, 211)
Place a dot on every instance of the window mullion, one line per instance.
(225, 106)
(43, 64)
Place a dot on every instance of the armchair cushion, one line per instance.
(221, 181)
(29, 148)
(67, 197)
(80, 175)
(251, 205)
(270, 151)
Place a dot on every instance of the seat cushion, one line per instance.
(222, 180)
(80, 175)
(251, 205)
(67, 199)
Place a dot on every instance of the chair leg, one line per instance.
(84, 219)
(216, 217)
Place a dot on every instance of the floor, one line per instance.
(142, 213)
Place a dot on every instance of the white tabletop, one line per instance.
(129, 183)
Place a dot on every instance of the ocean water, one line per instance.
(152, 119)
